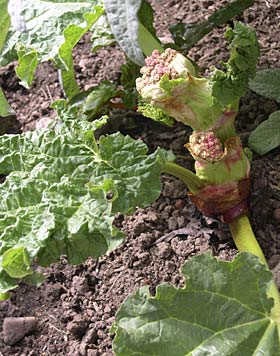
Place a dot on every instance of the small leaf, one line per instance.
(16, 263)
(129, 72)
(98, 97)
(187, 35)
(266, 136)
(27, 63)
(124, 23)
(72, 35)
(223, 309)
(4, 296)
(266, 83)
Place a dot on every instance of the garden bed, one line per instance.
(76, 305)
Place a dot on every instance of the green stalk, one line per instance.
(188, 177)
(245, 241)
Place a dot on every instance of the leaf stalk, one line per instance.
(188, 177)
(246, 241)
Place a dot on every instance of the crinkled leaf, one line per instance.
(266, 83)
(52, 28)
(57, 197)
(125, 163)
(124, 23)
(154, 113)
(187, 35)
(223, 309)
(266, 136)
(228, 86)
(4, 21)
(5, 109)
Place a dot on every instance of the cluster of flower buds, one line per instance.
(156, 66)
(171, 83)
(205, 146)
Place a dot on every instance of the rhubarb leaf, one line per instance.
(51, 29)
(266, 83)
(62, 191)
(266, 136)
(223, 309)
(124, 23)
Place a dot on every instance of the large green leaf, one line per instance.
(62, 191)
(134, 35)
(266, 136)
(223, 310)
(4, 21)
(266, 83)
(124, 23)
(52, 28)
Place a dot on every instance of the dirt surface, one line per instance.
(75, 306)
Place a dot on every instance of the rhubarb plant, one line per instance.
(224, 308)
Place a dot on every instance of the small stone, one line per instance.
(90, 337)
(172, 223)
(9, 124)
(80, 284)
(77, 326)
(164, 250)
(276, 214)
(175, 189)
(180, 204)
(14, 329)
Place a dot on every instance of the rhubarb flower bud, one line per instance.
(224, 169)
(170, 82)
(205, 146)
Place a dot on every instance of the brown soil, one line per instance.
(76, 304)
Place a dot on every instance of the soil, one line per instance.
(75, 306)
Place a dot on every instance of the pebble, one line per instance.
(80, 284)
(77, 326)
(276, 214)
(14, 329)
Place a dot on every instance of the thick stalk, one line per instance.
(188, 177)
(245, 241)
